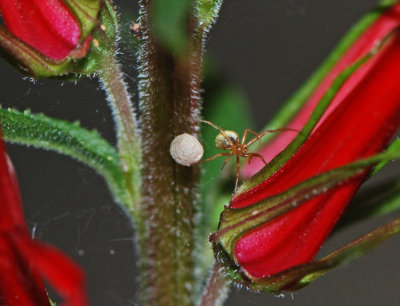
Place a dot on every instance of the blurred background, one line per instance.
(265, 50)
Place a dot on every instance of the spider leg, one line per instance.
(237, 171)
(219, 129)
(245, 134)
(226, 159)
(213, 125)
(251, 155)
(213, 157)
(271, 131)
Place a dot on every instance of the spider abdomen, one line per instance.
(225, 140)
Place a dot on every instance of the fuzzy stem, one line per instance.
(169, 93)
(129, 148)
(217, 287)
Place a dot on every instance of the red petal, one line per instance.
(22, 259)
(19, 283)
(361, 125)
(62, 273)
(11, 214)
(388, 21)
(48, 26)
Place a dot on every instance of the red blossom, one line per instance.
(361, 121)
(48, 26)
(24, 260)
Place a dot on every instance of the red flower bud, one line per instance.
(359, 123)
(48, 26)
(46, 38)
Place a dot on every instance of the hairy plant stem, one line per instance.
(127, 130)
(217, 287)
(169, 93)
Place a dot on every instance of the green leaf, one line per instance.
(300, 97)
(66, 138)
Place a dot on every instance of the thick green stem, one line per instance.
(169, 92)
(127, 131)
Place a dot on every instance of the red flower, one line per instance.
(24, 260)
(360, 122)
(48, 26)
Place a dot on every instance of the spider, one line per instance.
(229, 140)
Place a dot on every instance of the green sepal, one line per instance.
(394, 146)
(234, 223)
(103, 42)
(86, 12)
(69, 139)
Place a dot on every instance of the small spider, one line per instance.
(229, 140)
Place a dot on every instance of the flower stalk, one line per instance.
(169, 94)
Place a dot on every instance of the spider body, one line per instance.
(228, 140)
(224, 141)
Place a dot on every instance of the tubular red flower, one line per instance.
(48, 26)
(387, 22)
(362, 121)
(23, 260)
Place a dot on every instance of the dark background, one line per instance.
(266, 49)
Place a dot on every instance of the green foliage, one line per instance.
(66, 138)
